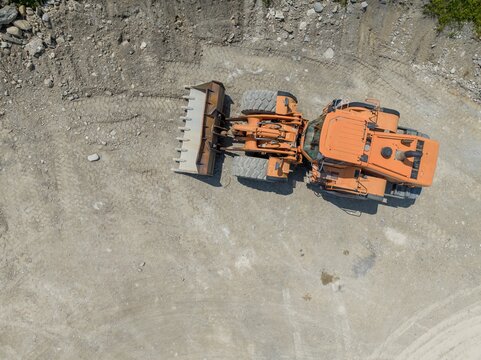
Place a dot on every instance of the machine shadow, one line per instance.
(357, 207)
(280, 188)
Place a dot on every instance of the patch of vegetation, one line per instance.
(267, 3)
(29, 3)
(342, 2)
(456, 12)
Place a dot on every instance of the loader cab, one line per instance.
(312, 137)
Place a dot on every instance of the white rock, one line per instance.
(364, 5)
(93, 157)
(279, 15)
(35, 47)
(302, 25)
(453, 70)
(48, 83)
(329, 53)
(311, 12)
(143, 45)
(15, 31)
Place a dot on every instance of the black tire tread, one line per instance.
(250, 167)
(259, 102)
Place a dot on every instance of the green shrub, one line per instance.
(30, 3)
(456, 12)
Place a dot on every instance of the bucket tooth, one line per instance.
(179, 160)
(186, 108)
(184, 128)
(186, 118)
(182, 139)
(187, 97)
(181, 150)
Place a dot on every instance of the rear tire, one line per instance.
(402, 192)
(409, 131)
(248, 167)
(259, 102)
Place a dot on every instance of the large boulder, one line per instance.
(8, 14)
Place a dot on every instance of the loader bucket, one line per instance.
(197, 148)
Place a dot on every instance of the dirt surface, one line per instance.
(122, 259)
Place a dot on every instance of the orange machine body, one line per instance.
(355, 148)
(274, 135)
(361, 150)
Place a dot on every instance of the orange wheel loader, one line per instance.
(353, 149)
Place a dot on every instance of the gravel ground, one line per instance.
(119, 258)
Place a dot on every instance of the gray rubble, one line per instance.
(8, 14)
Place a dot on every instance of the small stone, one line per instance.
(288, 29)
(4, 45)
(23, 25)
(143, 45)
(329, 53)
(51, 55)
(48, 83)
(22, 10)
(279, 15)
(302, 25)
(93, 157)
(364, 5)
(15, 31)
(334, 9)
(318, 7)
(29, 66)
(453, 70)
(311, 12)
(8, 14)
(45, 18)
(30, 11)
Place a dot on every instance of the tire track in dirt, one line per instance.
(455, 336)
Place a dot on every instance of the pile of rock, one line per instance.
(25, 26)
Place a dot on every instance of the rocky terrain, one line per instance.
(106, 254)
